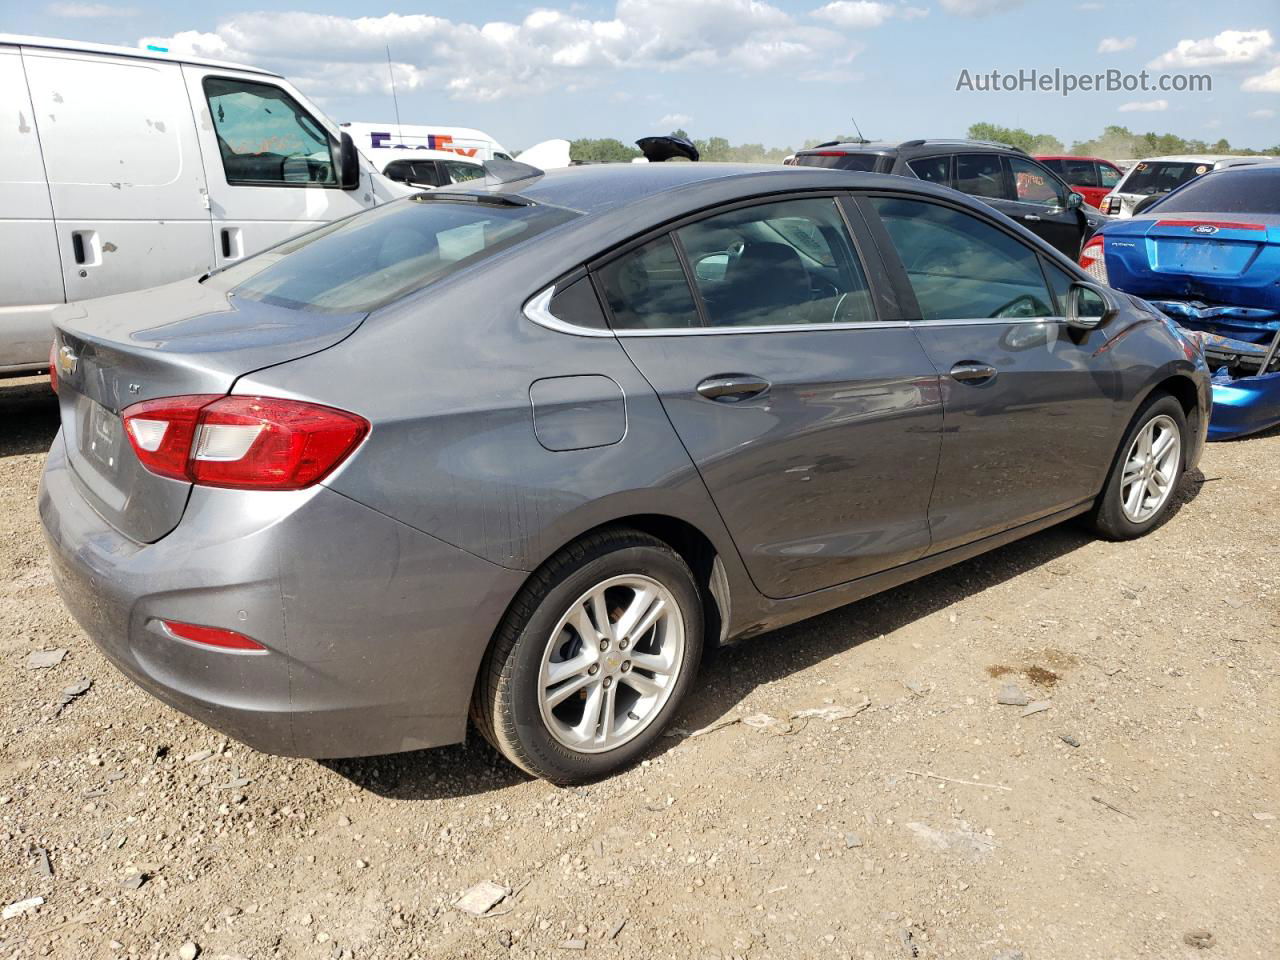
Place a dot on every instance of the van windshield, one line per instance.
(368, 260)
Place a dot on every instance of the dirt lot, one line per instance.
(1135, 817)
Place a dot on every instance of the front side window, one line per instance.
(1034, 184)
(1108, 176)
(777, 264)
(459, 172)
(933, 169)
(419, 172)
(961, 267)
(265, 138)
(981, 175)
(647, 290)
(365, 261)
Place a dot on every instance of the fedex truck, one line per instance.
(374, 138)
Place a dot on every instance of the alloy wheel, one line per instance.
(1150, 469)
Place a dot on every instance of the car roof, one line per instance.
(139, 53)
(1193, 158)
(918, 145)
(1071, 156)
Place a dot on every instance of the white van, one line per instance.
(374, 138)
(123, 168)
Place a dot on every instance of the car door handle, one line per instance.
(1030, 216)
(973, 372)
(733, 387)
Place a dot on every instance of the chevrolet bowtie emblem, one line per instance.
(67, 361)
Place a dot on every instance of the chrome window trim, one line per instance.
(538, 309)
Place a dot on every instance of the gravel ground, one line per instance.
(1135, 817)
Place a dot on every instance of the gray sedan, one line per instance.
(518, 450)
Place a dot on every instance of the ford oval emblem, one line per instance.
(1208, 229)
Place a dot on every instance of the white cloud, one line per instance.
(1117, 44)
(90, 11)
(1228, 48)
(864, 14)
(673, 120)
(1266, 113)
(328, 54)
(1090, 7)
(1268, 82)
(978, 8)
(1144, 106)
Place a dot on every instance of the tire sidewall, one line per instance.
(1111, 516)
(559, 762)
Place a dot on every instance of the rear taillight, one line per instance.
(247, 443)
(53, 365)
(1093, 259)
(212, 637)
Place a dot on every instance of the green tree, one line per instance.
(602, 150)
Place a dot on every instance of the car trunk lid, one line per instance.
(181, 339)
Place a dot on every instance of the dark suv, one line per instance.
(1001, 175)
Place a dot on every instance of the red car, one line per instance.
(1091, 177)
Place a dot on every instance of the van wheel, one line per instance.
(1145, 473)
(593, 658)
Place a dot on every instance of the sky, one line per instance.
(776, 72)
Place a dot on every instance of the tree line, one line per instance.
(1114, 143)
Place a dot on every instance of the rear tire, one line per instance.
(1147, 470)
(569, 699)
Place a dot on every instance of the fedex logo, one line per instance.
(435, 141)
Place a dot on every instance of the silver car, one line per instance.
(517, 451)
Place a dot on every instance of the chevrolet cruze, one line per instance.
(518, 450)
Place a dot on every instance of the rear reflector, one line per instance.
(244, 443)
(53, 366)
(212, 637)
(1093, 259)
(1220, 224)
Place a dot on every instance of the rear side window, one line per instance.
(1161, 176)
(962, 268)
(422, 172)
(1108, 176)
(647, 290)
(1079, 173)
(460, 172)
(1055, 166)
(265, 137)
(365, 261)
(777, 264)
(933, 169)
(981, 175)
(1246, 190)
(865, 162)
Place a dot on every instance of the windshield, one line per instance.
(839, 161)
(1161, 176)
(365, 261)
(1249, 190)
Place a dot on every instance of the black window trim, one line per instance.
(897, 272)
(309, 185)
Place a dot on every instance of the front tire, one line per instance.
(593, 658)
(1146, 471)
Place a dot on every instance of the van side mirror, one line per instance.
(1089, 305)
(348, 163)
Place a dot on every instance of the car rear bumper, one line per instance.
(373, 630)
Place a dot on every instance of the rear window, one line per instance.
(865, 162)
(1161, 176)
(1232, 191)
(365, 261)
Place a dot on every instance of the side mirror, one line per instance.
(1147, 202)
(1075, 201)
(348, 163)
(1089, 306)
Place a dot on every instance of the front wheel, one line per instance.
(593, 658)
(1146, 471)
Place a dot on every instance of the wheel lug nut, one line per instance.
(604, 644)
(593, 669)
(626, 665)
(608, 682)
(624, 644)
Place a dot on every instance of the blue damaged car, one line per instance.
(1208, 256)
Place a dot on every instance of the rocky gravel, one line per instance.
(1063, 749)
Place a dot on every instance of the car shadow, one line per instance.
(730, 674)
(28, 416)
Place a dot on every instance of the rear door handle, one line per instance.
(733, 387)
(972, 372)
